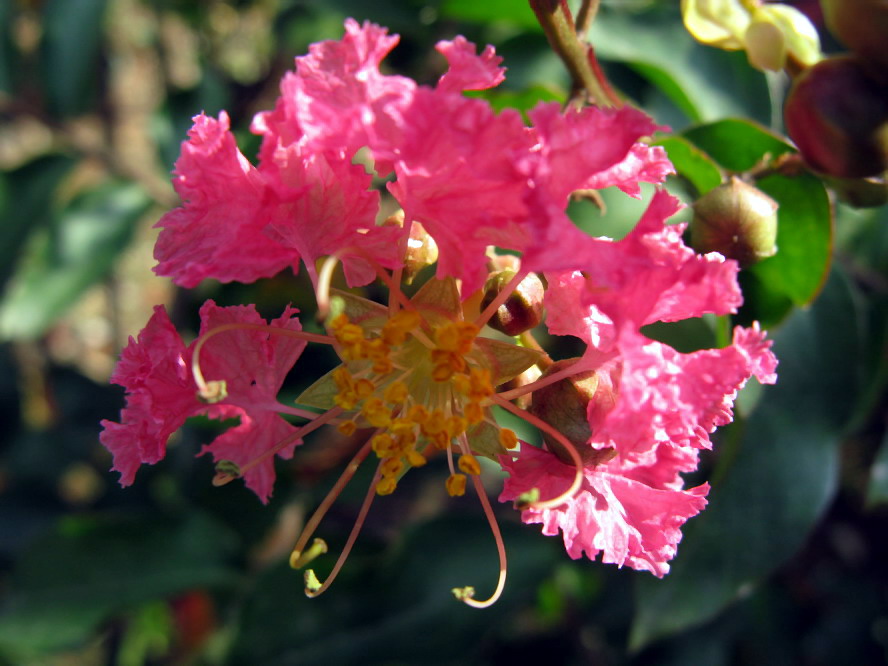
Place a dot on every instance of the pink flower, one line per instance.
(218, 232)
(626, 521)
(419, 370)
(155, 369)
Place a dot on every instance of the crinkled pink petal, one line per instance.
(324, 205)
(249, 440)
(456, 175)
(160, 396)
(161, 392)
(469, 71)
(643, 164)
(752, 343)
(342, 101)
(576, 146)
(217, 233)
(650, 275)
(626, 521)
(567, 313)
(669, 397)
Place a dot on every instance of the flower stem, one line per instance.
(555, 18)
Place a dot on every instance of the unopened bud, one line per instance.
(565, 405)
(737, 220)
(522, 310)
(837, 115)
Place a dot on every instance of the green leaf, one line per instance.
(522, 100)
(776, 478)
(491, 11)
(90, 568)
(804, 237)
(26, 199)
(64, 261)
(703, 83)
(692, 163)
(737, 145)
(71, 47)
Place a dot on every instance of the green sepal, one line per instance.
(361, 311)
(484, 440)
(321, 394)
(440, 297)
(506, 360)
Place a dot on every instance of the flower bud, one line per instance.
(837, 115)
(522, 310)
(565, 405)
(861, 25)
(737, 220)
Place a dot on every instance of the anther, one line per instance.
(468, 464)
(298, 560)
(456, 485)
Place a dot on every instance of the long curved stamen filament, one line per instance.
(224, 477)
(295, 411)
(500, 298)
(296, 557)
(313, 587)
(569, 447)
(325, 279)
(203, 387)
(465, 594)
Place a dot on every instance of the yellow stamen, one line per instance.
(508, 438)
(456, 485)
(347, 428)
(468, 464)
(386, 486)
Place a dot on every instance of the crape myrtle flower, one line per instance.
(423, 373)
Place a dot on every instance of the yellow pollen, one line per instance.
(397, 328)
(473, 413)
(440, 440)
(436, 423)
(415, 458)
(396, 393)
(386, 486)
(418, 414)
(392, 466)
(469, 464)
(347, 428)
(456, 425)
(455, 484)
(376, 413)
(364, 388)
(508, 438)
(383, 445)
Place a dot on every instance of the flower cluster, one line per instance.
(421, 374)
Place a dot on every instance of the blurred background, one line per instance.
(787, 565)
